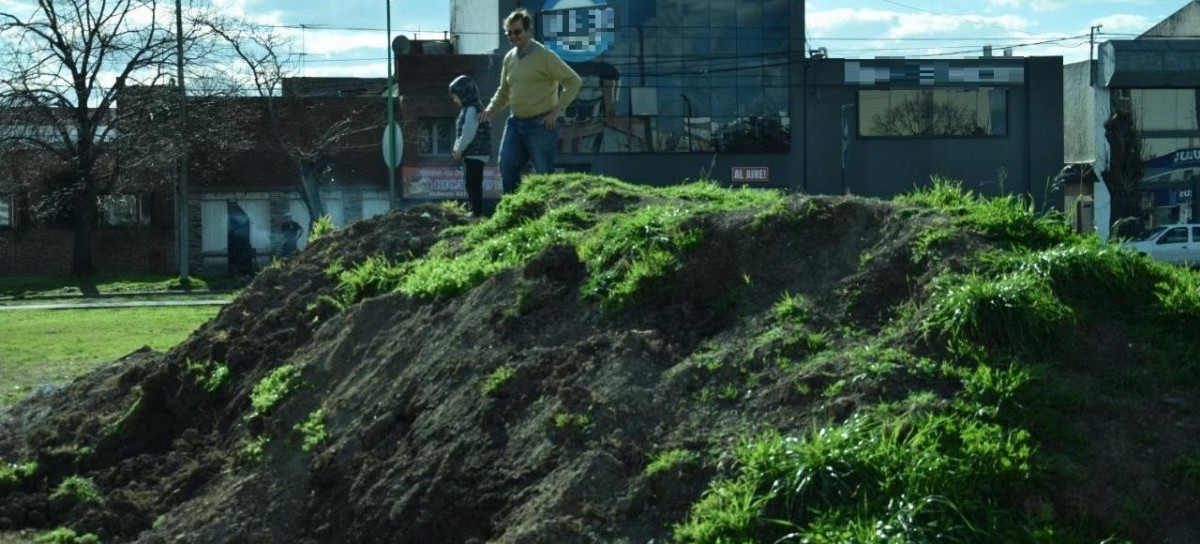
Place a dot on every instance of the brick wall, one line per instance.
(46, 251)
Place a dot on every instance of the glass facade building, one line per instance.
(673, 76)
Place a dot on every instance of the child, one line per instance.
(473, 140)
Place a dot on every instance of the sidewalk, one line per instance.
(102, 304)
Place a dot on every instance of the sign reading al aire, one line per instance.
(750, 174)
(435, 182)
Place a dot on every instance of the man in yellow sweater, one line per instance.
(536, 85)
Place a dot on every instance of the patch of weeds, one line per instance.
(729, 393)
(1015, 313)
(12, 474)
(312, 430)
(208, 374)
(496, 379)
(449, 270)
(322, 226)
(66, 535)
(273, 388)
(572, 422)
(790, 309)
(871, 479)
(76, 489)
(373, 277)
(1009, 219)
(928, 242)
(670, 460)
(323, 307)
(628, 252)
(252, 450)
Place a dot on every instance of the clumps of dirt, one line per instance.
(517, 412)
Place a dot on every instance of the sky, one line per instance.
(348, 37)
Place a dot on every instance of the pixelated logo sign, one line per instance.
(578, 30)
(750, 174)
(437, 182)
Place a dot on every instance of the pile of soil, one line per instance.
(417, 450)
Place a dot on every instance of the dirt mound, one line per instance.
(516, 412)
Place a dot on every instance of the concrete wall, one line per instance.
(1079, 142)
(474, 26)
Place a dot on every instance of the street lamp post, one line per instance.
(181, 191)
(391, 116)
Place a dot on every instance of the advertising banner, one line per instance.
(441, 182)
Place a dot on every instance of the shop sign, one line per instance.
(436, 182)
(751, 174)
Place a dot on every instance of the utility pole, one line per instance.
(1092, 47)
(181, 191)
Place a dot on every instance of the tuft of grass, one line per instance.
(12, 474)
(252, 450)
(1009, 220)
(76, 489)
(66, 535)
(670, 460)
(273, 388)
(322, 226)
(1016, 312)
(925, 478)
(497, 378)
(627, 253)
(312, 430)
(208, 374)
(372, 277)
(572, 422)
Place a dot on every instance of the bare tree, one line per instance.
(1126, 153)
(63, 70)
(310, 132)
(924, 115)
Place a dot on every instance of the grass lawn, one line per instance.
(54, 346)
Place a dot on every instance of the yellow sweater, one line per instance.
(529, 84)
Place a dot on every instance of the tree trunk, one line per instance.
(1126, 212)
(81, 255)
(310, 179)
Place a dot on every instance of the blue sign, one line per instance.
(578, 30)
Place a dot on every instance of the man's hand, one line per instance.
(483, 116)
(550, 119)
(456, 155)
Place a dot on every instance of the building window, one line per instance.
(933, 113)
(125, 210)
(673, 76)
(6, 210)
(435, 136)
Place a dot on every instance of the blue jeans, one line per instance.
(526, 140)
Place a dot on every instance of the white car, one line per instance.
(1179, 244)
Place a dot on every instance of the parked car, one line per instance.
(1179, 244)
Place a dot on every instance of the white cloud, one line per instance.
(1124, 23)
(901, 25)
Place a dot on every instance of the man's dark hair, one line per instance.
(520, 14)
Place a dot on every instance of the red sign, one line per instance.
(436, 182)
(751, 174)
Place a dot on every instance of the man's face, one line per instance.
(518, 35)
